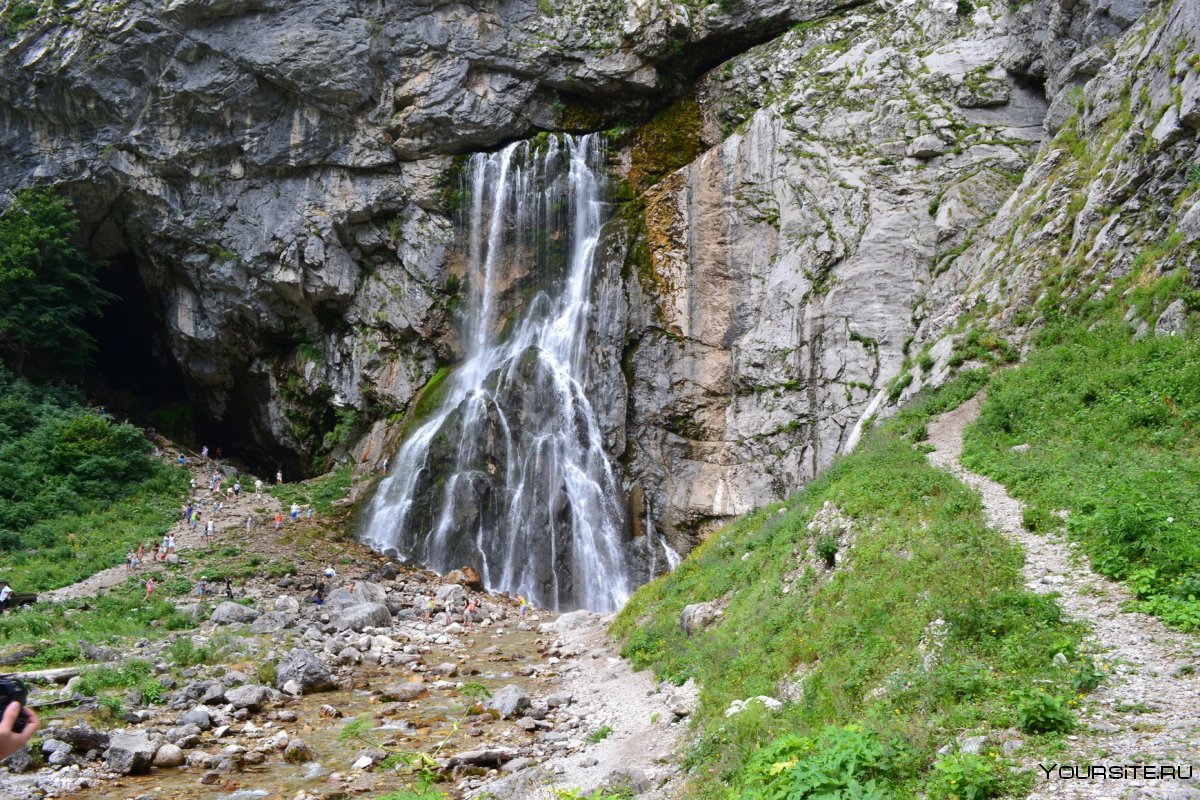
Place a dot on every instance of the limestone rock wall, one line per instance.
(869, 180)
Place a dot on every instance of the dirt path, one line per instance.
(230, 522)
(1148, 711)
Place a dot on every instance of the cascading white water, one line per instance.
(509, 474)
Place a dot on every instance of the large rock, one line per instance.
(130, 753)
(508, 702)
(250, 697)
(82, 737)
(169, 755)
(698, 616)
(198, 716)
(360, 616)
(228, 613)
(403, 692)
(305, 670)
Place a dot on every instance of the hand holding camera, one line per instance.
(19, 722)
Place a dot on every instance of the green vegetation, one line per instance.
(1111, 428)
(77, 489)
(48, 288)
(320, 492)
(882, 685)
(105, 619)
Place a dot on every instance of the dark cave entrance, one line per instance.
(133, 372)
(135, 375)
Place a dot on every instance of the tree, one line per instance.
(48, 288)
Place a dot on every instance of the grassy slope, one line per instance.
(1110, 424)
(922, 552)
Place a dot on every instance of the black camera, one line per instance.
(13, 690)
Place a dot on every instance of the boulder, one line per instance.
(402, 692)
(228, 613)
(305, 670)
(19, 762)
(168, 755)
(509, 702)
(466, 576)
(82, 737)
(297, 752)
(363, 615)
(273, 621)
(130, 753)
(287, 604)
(927, 146)
(450, 593)
(697, 617)
(573, 620)
(626, 780)
(198, 716)
(251, 697)
(367, 592)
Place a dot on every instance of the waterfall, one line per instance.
(509, 474)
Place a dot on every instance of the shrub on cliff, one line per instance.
(48, 287)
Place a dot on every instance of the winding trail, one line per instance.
(1148, 710)
(230, 520)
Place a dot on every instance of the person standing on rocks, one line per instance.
(237, 488)
(278, 476)
(428, 606)
(258, 484)
(204, 452)
(228, 588)
(295, 510)
(149, 589)
(5, 596)
(249, 522)
(210, 528)
(195, 518)
(278, 520)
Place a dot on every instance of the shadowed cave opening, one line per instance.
(135, 375)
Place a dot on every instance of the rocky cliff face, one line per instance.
(830, 190)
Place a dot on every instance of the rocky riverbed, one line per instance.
(503, 703)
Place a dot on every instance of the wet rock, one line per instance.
(508, 701)
(444, 670)
(402, 692)
(362, 615)
(228, 613)
(169, 755)
(305, 671)
(330, 712)
(250, 697)
(130, 754)
(210, 778)
(297, 752)
(488, 757)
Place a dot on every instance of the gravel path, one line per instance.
(1148, 711)
(641, 749)
(230, 525)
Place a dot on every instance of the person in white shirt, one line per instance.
(5, 595)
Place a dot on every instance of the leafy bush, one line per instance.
(48, 288)
(77, 489)
(184, 652)
(965, 776)
(1040, 712)
(846, 763)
